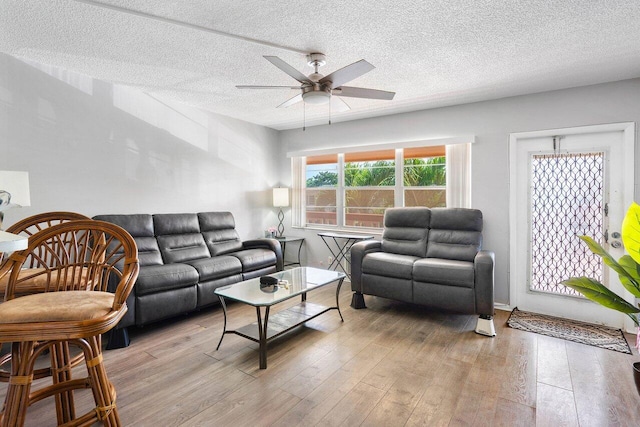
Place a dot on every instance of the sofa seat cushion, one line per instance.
(216, 267)
(389, 265)
(255, 259)
(444, 272)
(158, 278)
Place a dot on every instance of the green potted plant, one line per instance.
(628, 269)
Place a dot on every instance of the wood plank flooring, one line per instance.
(392, 364)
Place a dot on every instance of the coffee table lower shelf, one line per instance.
(283, 321)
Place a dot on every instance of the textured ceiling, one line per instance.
(430, 52)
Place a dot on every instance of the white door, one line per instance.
(566, 183)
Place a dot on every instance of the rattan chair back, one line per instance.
(36, 223)
(88, 269)
(78, 255)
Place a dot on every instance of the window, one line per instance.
(369, 187)
(321, 190)
(354, 189)
(425, 177)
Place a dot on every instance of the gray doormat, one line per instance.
(570, 330)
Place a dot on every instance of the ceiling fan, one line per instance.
(318, 89)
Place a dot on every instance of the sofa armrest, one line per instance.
(358, 251)
(271, 244)
(484, 276)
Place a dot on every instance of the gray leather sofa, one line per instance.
(431, 257)
(183, 259)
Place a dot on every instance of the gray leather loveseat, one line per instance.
(183, 259)
(431, 257)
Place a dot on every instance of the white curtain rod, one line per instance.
(463, 139)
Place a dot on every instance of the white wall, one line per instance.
(94, 147)
(97, 148)
(491, 122)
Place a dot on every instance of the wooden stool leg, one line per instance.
(103, 392)
(17, 398)
(60, 373)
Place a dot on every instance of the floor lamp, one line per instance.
(280, 200)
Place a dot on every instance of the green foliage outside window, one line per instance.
(424, 172)
(370, 174)
(323, 179)
(417, 173)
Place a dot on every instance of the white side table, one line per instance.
(10, 242)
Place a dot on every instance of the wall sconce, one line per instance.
(280, 200)
(14, 191)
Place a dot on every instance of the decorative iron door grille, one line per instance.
(567, 200)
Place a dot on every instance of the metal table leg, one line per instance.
(299, 250)
(262, 333)
(224, 328)
(340, 253)
(338, 298)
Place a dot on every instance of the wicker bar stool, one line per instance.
(86, 259)
(28, 227)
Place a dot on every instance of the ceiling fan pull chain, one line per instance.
(329, 111)
(304, 117)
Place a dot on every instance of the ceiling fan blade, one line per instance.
(266, 87)
(291, 101)
(339, 105)
(348, 73)
(288, 69)
(361, 92)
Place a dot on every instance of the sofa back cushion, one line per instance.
(219, 232)
(406, 231)
(179, 237)
(140, 226)
(456, 233)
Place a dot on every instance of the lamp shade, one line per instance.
(280, 197)
(16, 183)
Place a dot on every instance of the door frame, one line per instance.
(628, 190)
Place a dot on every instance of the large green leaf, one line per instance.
(597, 292)
(631, 231)
(625, 278)
(631, 267)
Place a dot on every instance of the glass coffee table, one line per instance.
(294, 282)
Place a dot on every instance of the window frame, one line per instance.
(458, 176)
(341, 189)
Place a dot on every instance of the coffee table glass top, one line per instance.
(300, 280)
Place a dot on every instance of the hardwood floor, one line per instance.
(392, 364)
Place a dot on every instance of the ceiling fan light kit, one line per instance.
(316, 95)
